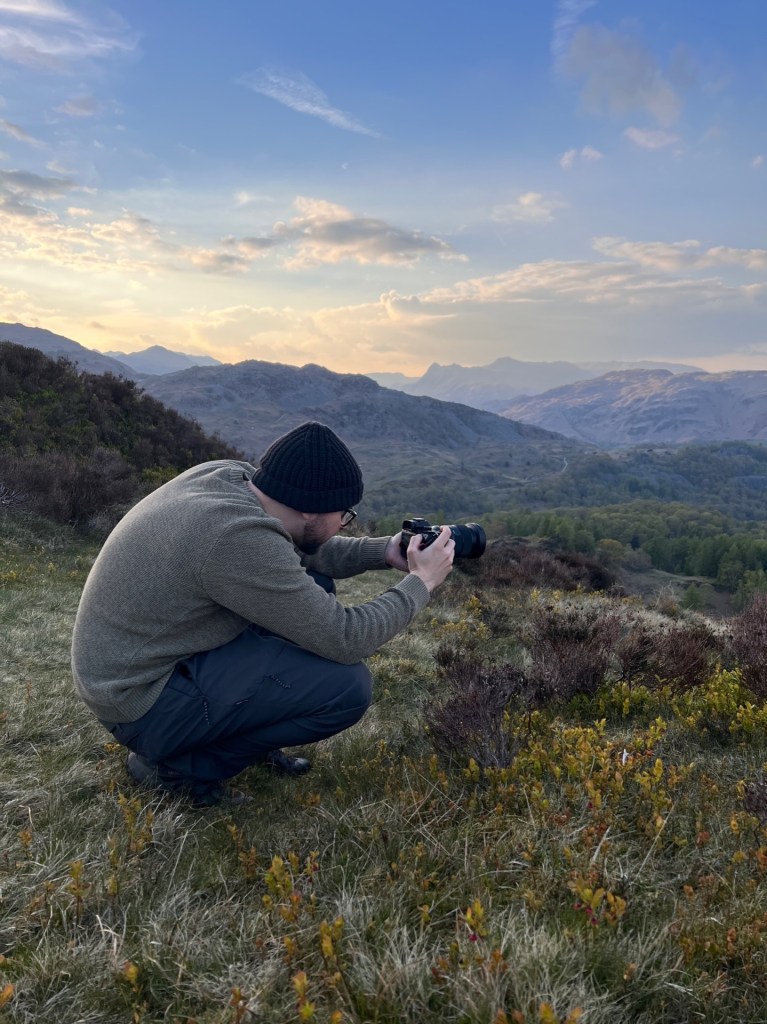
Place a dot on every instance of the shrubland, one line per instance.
(81, 448)
(554, 811)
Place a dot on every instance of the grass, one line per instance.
(613, 869)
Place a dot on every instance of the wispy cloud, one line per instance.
(320, 233)
(299, 93)
(45, 10)
(80, 106)
(588, 153)
(246, 198)
(50, 35)
(529, 208)
(18, 133)
(566, 20)
(674, 256)
(652, 138)
(758, 160)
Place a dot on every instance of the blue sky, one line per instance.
(378, 187)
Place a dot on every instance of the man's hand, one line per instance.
(433, 563)
(393, 554)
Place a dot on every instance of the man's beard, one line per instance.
(310, 543)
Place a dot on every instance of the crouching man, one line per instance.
(209, 635)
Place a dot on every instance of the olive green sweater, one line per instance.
(192, 565)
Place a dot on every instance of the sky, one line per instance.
(377, 187)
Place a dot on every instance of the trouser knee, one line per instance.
(358, 691)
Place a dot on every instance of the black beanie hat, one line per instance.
(310, 469)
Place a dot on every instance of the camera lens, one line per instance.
(470, 540)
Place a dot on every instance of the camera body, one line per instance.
(470, 540)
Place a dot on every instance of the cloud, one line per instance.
(758, 160)
(80, 106)
(42, 9)
(28, 185)
(675, 256)
(650, 138)
(245, 198)
(620, 285)
(588, 153)
(18, 133)
(49, 35)
(565, 22)
(326, 233)
(320, 233)
(300, 93)
(530, 208)
(619, 74)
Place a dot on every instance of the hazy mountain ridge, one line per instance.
(491, 387)
(56, 345)
(640, 407)
(157, 360)
(132, 365)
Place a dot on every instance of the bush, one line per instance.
(684, 655)
(571, 648)
(472, 721)
(749, 644)
(509, 562)
(69, 488)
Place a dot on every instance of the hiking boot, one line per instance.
(200, 794)
(285, 764)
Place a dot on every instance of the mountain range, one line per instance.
(493, 386)
(158, 360)
(644, 407)
(248, 403)
(56, 346)
(131, 365)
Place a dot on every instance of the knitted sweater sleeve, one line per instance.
(256, 573)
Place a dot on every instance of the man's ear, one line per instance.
(309, 516)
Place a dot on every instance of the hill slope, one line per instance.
(74, 443)
(640, 407)
(447, 456)
(56, 345)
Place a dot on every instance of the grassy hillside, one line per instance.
(74, 444)
(553, 812)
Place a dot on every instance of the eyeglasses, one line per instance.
(347, 516)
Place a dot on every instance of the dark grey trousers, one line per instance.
(226, 709)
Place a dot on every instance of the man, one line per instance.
(209, 635)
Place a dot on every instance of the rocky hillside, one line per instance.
(648, 407)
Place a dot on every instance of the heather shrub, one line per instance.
(474, 722)
(570, 648)
(684, 655)
(69, 488)
(633, 650)
(513, 562)
(749, 644)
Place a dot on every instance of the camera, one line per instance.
(470, 540)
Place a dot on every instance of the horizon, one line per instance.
(573, 180)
